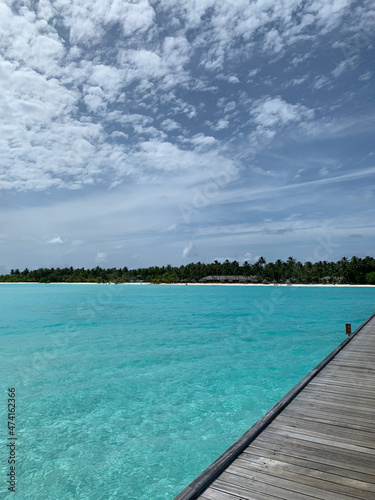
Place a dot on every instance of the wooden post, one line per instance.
(348, 327)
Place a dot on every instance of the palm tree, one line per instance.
(344, 268)
(246, 268)
(279, 269)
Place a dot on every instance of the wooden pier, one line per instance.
(318, 442)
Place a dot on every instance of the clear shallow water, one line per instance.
(129, 392)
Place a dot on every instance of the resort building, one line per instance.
(227, 279)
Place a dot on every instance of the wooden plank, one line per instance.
(324, 435)
(344, 360)
(240, 477)
(353, 398)
(328, 455)
(343, 433)
(362, 346)
(212, 494)
(354, 369)
(335, 373)
(329, 392)
(343, 394)
(345, 363)
(327, 401)
(365, 354)
(215, 494)
(337, 402)
(342, 471)
(365, 369)
(330, 411)
(339, 368)
(348, 379)
(348, 385)
(365, 346)
(349, 356)
(280, 468)
(329, 428)
(316, 438)
(329, 447)
(301, 475)
(346, 420)
(258, 487)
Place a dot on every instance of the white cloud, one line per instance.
(320, 82)
(253, 72)
(273, 41)
(94, 99)
(134, 17)
(142, 64)
(272, 114)
(66, 105)
(329, 14)
(344, 66)
(189, 251)
(202, 141)
(221, 124)
(108, 78)
(340, 127)
(299, 81)
(170, 125)
(366, 76)
(55, 241)
(226, 106)
(30, 41)
(100, 257)
(87, 20)
(247, 257)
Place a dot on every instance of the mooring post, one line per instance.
(348, 327)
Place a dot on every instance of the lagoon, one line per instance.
(129, 392)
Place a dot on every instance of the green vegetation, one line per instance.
(355, 271)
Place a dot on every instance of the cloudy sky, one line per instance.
(159, 131)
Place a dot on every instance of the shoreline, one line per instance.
(192, 284)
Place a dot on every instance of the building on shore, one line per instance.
(227, 279)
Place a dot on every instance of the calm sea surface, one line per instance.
(129, 392)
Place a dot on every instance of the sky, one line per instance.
(155, 132)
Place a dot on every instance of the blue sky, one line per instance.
(155, 132)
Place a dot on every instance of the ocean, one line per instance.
(130, 391)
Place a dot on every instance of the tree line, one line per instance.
(353, 271)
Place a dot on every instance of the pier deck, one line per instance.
(318, 442)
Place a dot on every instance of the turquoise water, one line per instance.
(129, 392)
